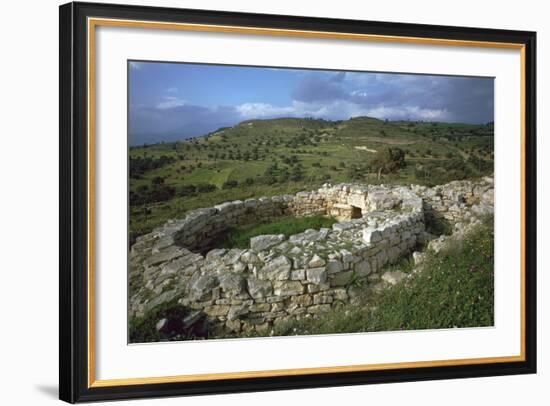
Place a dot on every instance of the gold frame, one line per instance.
(94, 22)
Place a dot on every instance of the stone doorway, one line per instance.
(356, 212)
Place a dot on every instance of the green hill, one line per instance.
(285, 155)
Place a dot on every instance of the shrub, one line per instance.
(139, 166)
(230, 184)
(205, 188)
(158, 180)
(187, 190)
(158, 193)
(388, 160)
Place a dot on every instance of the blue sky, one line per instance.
(172, 101)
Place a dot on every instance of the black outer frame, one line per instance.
(73, 330)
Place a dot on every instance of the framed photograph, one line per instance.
(257, 202)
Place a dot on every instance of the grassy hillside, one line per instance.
(268, 157)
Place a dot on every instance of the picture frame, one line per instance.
(78, 380)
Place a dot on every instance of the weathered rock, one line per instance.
(362, 268)
(288, 288)
(301, 300)
(165, 255)
(316, 262)
(234, 325)
(341, 279)
(248, 257)
(278, 269)
(334, 266)
(382, 200)
(317, 275)
(260, 307)
(232, 284)
(217, 310)
(298, 275)
(202, 287)
(259, 288)
(418, 257)
(322, 298)
(311, 288)
(263, 242)
(216, 253)
(393, 277)
(371, 236)
(438, 244)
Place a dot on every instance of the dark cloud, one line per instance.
(339, 77)
(417, 97)
(315, 89)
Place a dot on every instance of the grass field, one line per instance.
(267, 157)
(240, 238)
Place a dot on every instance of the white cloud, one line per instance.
(409, 112)
(172, 90)
(169, 102)
(339, 109)
(260, 110)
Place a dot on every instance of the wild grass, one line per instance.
(240, 238)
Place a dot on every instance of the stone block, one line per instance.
(341, 278)
(317, 275)
(277, 269)
(288, 288)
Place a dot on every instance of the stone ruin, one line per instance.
(277, 278)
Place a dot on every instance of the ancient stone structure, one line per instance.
(279, 278)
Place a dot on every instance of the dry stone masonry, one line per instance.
(279, 278)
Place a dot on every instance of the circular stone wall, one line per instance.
(277, 278)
